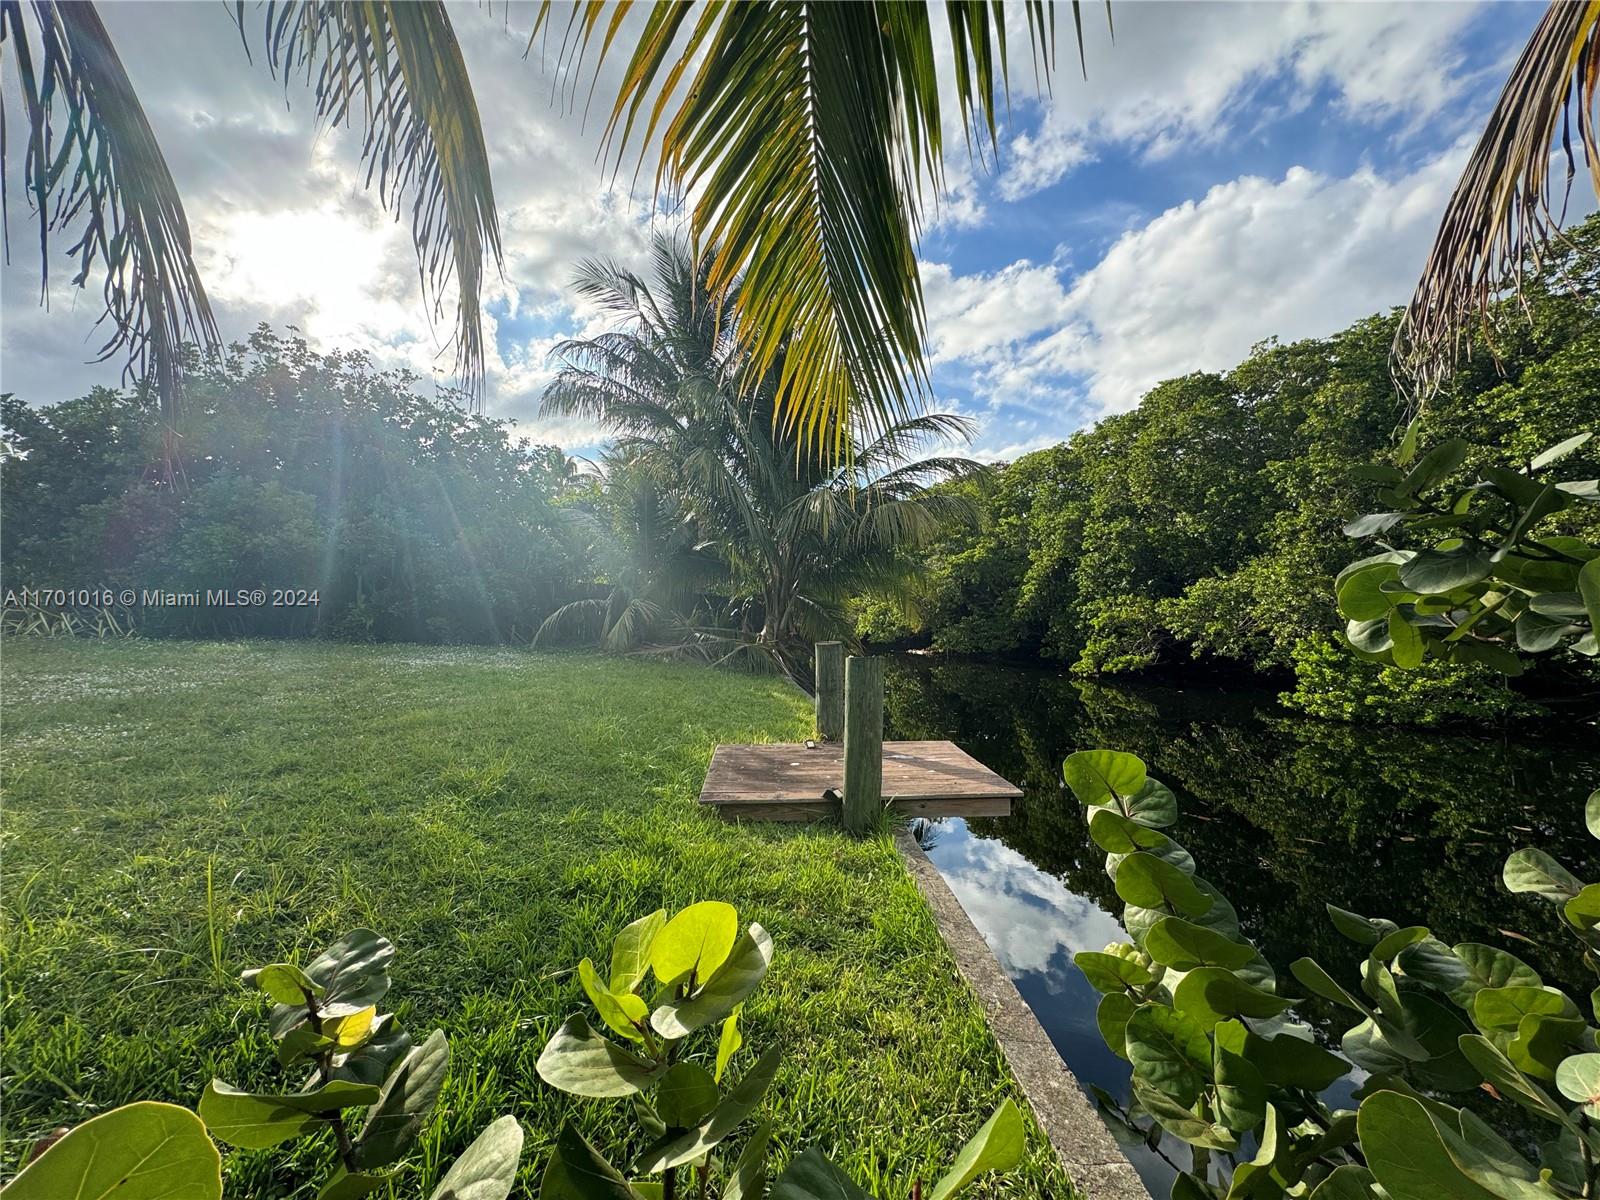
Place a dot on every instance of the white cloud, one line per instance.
(1182, 74)
(1194, 289)
(1294, 257)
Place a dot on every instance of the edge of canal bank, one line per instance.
(1088, 1153)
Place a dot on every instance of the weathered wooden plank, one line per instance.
(793, 782)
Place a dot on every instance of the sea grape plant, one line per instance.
(698, 969)
(1221, 1063)
(1490, 579)
(366, 1085)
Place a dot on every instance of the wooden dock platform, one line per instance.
(794, 782)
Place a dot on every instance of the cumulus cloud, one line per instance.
(1179, 75)
(1297, 256)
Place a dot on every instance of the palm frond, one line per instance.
(1499, 218)
(397, 62)
(105, 172)
(806, 132)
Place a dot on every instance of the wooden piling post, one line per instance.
(863, 742)
(830, 690)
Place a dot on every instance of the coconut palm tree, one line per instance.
(810, 134)
(799, 535)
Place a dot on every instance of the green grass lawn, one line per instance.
(498, 815)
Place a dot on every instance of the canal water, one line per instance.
(1282, 813)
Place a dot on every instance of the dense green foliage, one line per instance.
(699, 970)
(499, 814)
(731, 535)
(1207, 521)
(410, 518)
(1219, 1062)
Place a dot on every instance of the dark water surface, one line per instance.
(1282, 813)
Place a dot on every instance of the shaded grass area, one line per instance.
(498, 815)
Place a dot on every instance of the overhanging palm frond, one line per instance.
(397, 62)
(105, 174)
(1500, 214)
(806, 133)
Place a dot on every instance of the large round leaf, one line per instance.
(580, 1061)
(1543, 1042)
(143, 1151)
(1149, 882)
(487, 1168)
(254, 1121)
(741, 970)
(998, 1146)
(1117, 834)
(686, 1096)
(1170, 1051)
(630, 951)
(674, 1149)
(1535, 871)
(1360, 595)
(1180, 1120)
(1417, 1155)
(577, 1171)
(1578, 1078)
(1241, 1089)
(1283, 1059)
(404, 1104)
(1183, 945)
(1450, 566)
(1111, 1018)
(696, 940)
(1111, 972)
(1504, 1007)
(1097, 776)
(1153, 804)
(1495, 1068)
(810, 1176)
(622, 1012)
(1212, 994)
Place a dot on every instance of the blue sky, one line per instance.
(1227, 172)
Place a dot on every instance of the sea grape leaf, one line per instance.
(810, 1176)
(1578, 1079)
(1111, 972)
(1149, 882)
(580, 1061)
(1212, 994)
(1098, 776)
(997, 1146)
(1493, 1065)
(630, 951)
(673, 1150)
(622, 1012)
(142, 1151)
(404, 1104)
(686, 1095)
(284, 982)
(254, 1121)
(487, 1168)
(742, 968)
(697, 940)
(1170, 1051)
(1183, 945)
(1535, 871)
(1111, 1018)
(1504, 1007)
(1543, 1042)
(728, 1043)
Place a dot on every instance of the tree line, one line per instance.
(1206, 523)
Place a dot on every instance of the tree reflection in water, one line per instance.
(1283, 813)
